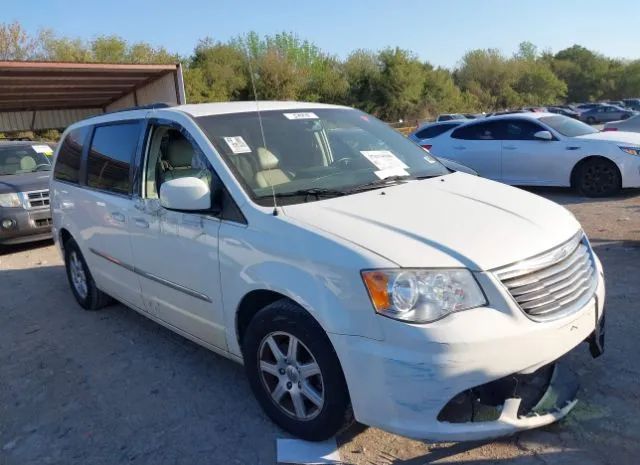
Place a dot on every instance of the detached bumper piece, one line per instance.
(511, 404)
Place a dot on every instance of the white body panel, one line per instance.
(539, 162)
(399, 375)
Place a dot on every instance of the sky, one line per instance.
(439, 32)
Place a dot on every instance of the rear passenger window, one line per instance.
(70, 155)
(433, 131)
(482, 131)
(113, 148)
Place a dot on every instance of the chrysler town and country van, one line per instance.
(353, 274)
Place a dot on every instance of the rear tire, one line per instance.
(302, 390)
(591, 120)
(598, 177)
(81, 282)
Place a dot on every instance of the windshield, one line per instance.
(24, 158)
(568, 126)
(333, 151)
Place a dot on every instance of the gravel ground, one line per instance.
(113, 387)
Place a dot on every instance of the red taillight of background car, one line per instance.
(426, 146)
(610, 129)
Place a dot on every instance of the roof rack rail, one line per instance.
(150, 106)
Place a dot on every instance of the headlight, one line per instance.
(630, 150)
(10, 200)
(422, 295)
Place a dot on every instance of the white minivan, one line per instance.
(352, 274)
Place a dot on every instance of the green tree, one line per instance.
(362, 72)
(584, 71)
(15, 42)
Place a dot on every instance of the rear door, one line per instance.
(105, 207)
(477, 146)
(527, 160)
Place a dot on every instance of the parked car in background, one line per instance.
(450, 116)
(632, 103)
(544, 149)
(564, 112)
(535, 109)
(630, 124)
(24, 192)
(587, 106)
(423, 134)
(473, 115)
(617, 103)
(351, 283)
(605, 113)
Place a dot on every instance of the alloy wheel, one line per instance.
(291, 375)
(78, 276)
(599, 179)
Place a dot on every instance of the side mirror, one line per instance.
(188, 194)
(543, 135)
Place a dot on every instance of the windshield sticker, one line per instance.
(383, 174)
(384, 159)
(429, 159)
(237, 144)
(42, 149)
(301, 115)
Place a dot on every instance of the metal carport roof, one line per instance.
(43, 95)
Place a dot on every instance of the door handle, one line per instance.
(117, 216)
(509, 147)
(459, 147)
(141, 223)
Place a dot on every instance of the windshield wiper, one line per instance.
(388, 181)
(313, 191)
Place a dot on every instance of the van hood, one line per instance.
(457, 220)
(38, 180)
(621, 137)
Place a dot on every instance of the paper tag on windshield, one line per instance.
(383, 174)
(384, 160)
(237, 144)
(301, 115)
(42, 149)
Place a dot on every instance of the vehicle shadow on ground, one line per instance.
(113, 386)
(11, 249)
(564, 195)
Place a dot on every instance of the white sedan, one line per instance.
(630, 125)
(545, 149)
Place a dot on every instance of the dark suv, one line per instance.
(24, 191)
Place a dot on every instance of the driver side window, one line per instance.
(171, 154)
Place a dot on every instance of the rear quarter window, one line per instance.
(113, 148)
(434, 131)
(70, 155)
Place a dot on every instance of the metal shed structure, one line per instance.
(53, 95)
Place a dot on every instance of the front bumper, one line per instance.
(27, 225)
(401, 384)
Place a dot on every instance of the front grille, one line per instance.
(43, 222)
(554, 284)
(37, 199)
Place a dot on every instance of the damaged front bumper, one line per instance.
(405, 383)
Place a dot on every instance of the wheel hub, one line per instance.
(292, 373)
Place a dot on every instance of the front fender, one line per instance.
(315, 272)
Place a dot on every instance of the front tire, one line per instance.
(591, 120)
(82, 284)
(598, 177)
(295, 374)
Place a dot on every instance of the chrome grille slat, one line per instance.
(36, 199)
(555, 283)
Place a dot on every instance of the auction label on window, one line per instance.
(42, 149)
(301, 115)
(383, 174)
(384, 160)
(237, 144)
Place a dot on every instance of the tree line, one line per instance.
(392, 83)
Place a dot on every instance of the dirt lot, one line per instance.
(113, 387)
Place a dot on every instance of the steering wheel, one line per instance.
(344, 162)
(41, 165)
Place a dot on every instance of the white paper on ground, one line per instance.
(382, 174)
(237, 144)
(383, 159)
(42, 148)
(305, 452)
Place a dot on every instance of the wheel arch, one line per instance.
(576, 168)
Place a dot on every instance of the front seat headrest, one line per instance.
(27, 163)
(179, 153)
(266, 159)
